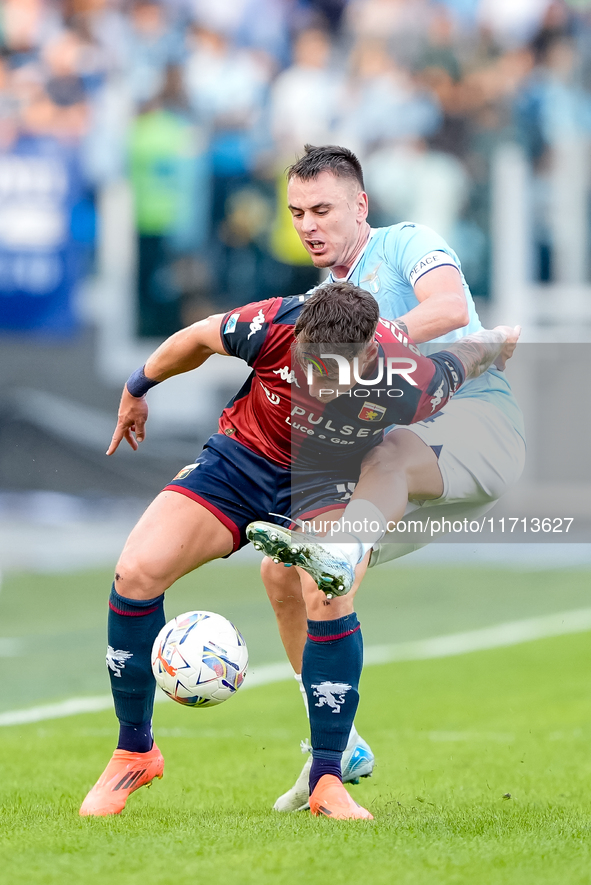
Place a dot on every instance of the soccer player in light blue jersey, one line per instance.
(458, 463)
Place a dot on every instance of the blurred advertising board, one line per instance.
(40, 189)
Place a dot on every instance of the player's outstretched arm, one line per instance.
(182, 352)
(480, 350)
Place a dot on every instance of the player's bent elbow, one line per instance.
(457, 316)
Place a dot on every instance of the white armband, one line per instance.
(428, 262)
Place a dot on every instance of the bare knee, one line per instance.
(136, 579)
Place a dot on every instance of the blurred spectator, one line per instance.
(265, 27)
(58, 106)
(513, 22)
(410, 183)
(223, 17)
(403, 24)
(152, 45)
(329, 12)
(170, 178)
(104, 24)
(226, 89)
(550, 104)
(26, 24)
(387, 19)
(382, 101)
(440, 50)
(204, 104)
(8, 109)
(240, 268)
(307, 96)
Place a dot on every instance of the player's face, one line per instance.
(329, 214)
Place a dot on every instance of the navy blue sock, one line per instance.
(132, 628)
(324, 762)
(135, 738)
(332, 663)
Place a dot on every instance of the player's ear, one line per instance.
(370, 352)
(362, 205)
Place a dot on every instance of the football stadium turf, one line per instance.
(52, 626)
(483, 776)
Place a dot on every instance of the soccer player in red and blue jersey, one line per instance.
(286, 443)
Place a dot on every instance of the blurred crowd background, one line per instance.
(199, 106)
(143, 148)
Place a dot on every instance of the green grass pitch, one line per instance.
(484, 776)
(59, 619)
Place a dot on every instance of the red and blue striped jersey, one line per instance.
(275, 415)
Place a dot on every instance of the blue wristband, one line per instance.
(138, 385)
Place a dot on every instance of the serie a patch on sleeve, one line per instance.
(428, 262)
(231, 324)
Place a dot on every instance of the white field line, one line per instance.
(511, 633)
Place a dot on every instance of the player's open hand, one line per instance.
(131, 422)
(512, 333)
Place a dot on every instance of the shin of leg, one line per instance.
(132, 627)
(332, 665)
(284, 590)
(174, 536)
(318, 607)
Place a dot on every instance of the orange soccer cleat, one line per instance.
(331, 799)
(125, 773)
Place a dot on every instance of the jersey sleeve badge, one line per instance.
(231, 324)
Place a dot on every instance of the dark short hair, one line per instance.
(327, 158)
(340, 315)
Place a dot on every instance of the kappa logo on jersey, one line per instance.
(231, 324)
(257, 324)
(428, 262)
(331, 694)
(286, 374)
(371, 412)
(272, 397)
(436, 400)
(186, 471)
(116, 659)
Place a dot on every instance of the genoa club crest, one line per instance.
(371, 412)
(182, 474)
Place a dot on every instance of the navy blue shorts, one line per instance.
(238, 486)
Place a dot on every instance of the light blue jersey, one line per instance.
(393, 260)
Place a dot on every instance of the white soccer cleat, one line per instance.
(331, 571)
(358, 761)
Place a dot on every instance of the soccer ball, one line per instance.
(199, 659)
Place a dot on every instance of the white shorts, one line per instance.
(480, 455)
